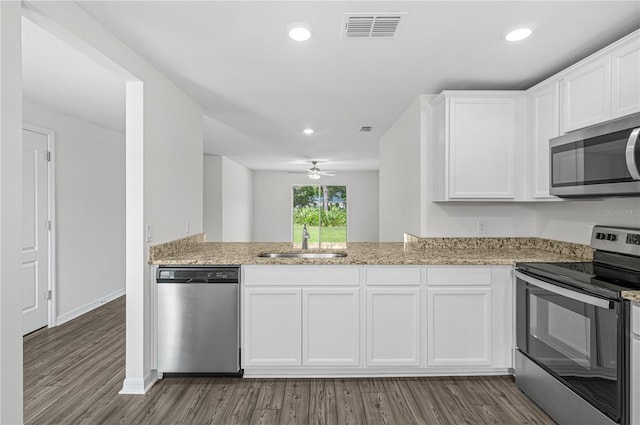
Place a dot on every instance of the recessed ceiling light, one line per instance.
(519, 34)
(308, 131)
(299, 33)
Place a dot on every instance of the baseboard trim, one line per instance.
(73, 314)
(139, 385)
(369, 373)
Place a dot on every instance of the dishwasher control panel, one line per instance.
(198, 275)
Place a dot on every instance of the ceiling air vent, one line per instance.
(365, 128)
(372, 25)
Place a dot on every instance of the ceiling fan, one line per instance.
(314, 173)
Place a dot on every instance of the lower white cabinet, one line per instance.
(381, 319)
(459, 326)
(331, 326)
(470, 317)
(272, 326)
(393, 332)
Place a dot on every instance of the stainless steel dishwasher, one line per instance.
(198, 320)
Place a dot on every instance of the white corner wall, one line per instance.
(400, 177)
(10, 213)
(164, 176)
(228, 200)
(272, 204)
(90, 211)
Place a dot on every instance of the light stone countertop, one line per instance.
(194, 250)
(363, 253)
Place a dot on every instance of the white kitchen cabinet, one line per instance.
(635, 365)
(544, 102)
(604, 86)
(469, 317)
(586, 94)
(625, 78)
(331, 327)
(272, 327)
(393, 331)
(479, 135)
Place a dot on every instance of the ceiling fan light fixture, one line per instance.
(314, 176)
(308, 131)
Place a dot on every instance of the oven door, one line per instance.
(576, 337)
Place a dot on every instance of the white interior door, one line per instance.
(35, 255)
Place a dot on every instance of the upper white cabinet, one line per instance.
(625, 77)
(478, 136)
(606, 85)
(544, 106)
(587, 94)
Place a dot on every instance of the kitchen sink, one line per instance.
(303, 255)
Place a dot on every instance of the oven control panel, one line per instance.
(616, 239)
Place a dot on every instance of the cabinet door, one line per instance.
(459, 326)
(272, 319)
(546, 124)
(587, 95)
(481, 148)
(393, 327)
(625, 70)
(331, 327)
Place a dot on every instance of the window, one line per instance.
(324, 210)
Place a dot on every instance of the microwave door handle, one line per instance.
(577, 296)
(632, 147)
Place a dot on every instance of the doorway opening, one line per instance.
(323, 209)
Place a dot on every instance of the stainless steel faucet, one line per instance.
(305, 237)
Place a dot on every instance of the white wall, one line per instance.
(228, 200)
(572, 221)
(400, 177)
(10, 214)
(407, 161)
(90, 210)
(163, 166)
(272, 204)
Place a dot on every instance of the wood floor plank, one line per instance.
(72, 375)
(322, 402)
(403, 404)
(349, 405)
(271, 395)
(241, 406)
(377, 410)
(265, 417)
(295, 404)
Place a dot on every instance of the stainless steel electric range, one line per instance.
(572, 331)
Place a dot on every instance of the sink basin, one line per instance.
(303, 255)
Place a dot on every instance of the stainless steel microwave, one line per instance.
(603, 160)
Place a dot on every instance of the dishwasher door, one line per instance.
(198, 326)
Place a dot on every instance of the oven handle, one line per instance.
(632, 145)
(578, 296)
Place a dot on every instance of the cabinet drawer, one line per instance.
(472, 275)
(635, 320)
(392, 275)
(300, 275)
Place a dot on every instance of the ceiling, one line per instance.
(259, 89)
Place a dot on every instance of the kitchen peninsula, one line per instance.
(429, 306)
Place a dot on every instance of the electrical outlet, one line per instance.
(482, 227)
(148, 233)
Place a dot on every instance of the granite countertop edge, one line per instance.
(416, 251)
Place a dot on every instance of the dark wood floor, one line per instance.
(72, 375)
